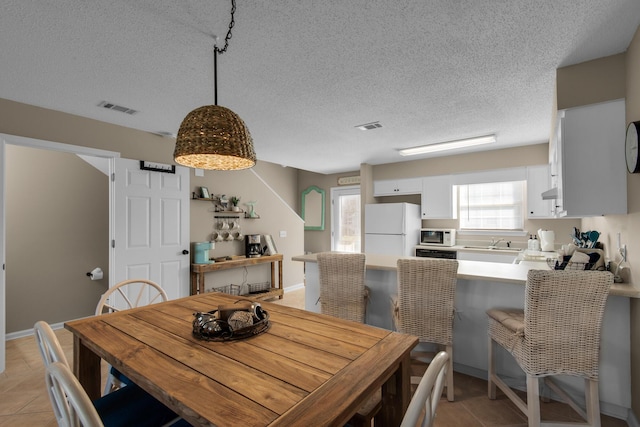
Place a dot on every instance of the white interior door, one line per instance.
(151, 227)
(345, 219)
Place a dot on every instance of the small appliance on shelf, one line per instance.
(253, 248)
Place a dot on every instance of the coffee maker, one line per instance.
(252, 246)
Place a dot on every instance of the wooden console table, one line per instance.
(198, 271)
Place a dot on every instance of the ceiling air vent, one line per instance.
(111, 106)
(369, 126)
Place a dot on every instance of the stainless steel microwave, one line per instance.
(438, 237)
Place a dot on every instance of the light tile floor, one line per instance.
(24, 401)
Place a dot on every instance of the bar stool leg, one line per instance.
(450, 389)
(533, 401)
(491, 391)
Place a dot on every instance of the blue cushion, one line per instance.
(120, 376)
(132, 406)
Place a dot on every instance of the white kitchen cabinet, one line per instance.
(397, 187)
(486, 257)
(437, 197)
(588, 168)
(538, 181)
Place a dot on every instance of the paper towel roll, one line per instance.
(96, 274)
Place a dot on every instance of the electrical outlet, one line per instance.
(283, 233)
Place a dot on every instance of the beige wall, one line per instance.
(633, 220)
(591, 82)
(49, 125)
(275, 216)
(600, 80)
(57, 226)
(316, 240)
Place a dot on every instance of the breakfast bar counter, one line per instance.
(485, 285)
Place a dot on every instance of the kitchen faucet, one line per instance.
(494, 242)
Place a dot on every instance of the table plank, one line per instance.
(335, 401)
(311, 355)
(301, 375)
(157, 373)
(223, 370)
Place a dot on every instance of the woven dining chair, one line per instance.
(557, 333)
(343, 293)
(424, 306)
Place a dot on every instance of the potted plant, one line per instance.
(234, 201)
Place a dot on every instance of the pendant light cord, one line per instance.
(217, 50)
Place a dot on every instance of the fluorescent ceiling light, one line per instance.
(449, 145)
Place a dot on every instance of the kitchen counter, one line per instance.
(485, 285)
(477, 270)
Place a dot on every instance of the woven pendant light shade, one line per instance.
(214, 137)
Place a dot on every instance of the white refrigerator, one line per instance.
(391, 228)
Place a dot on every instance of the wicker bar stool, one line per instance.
(424, 306)
(343, 294)
(558, 333)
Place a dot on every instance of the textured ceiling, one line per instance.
(303, 74)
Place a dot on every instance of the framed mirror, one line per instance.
(313, 208)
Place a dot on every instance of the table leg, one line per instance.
(86, 367)
(280, 284)
(396, 395)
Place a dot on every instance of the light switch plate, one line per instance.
(283, 233)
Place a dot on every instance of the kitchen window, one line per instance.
(492, 206)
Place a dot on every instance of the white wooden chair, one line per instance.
(557, 333)
(127, 294)
(428, 394)
(127, 406)
(50, 348)
(130, 294)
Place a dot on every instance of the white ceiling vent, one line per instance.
(111, 106)
(369, 126)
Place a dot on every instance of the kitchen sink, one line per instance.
(494, 248)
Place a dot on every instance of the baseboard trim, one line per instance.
(294, 288)
(29, 332)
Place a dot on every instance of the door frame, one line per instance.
(51, 146)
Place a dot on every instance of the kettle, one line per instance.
(547, 240)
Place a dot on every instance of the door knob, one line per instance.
(185, 252)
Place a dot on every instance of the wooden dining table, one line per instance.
(307, 369)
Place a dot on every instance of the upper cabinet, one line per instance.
(538, 181)
(397, 187)
(437, 197)
(588, 171)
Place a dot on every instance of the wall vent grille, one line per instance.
(369, 126)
